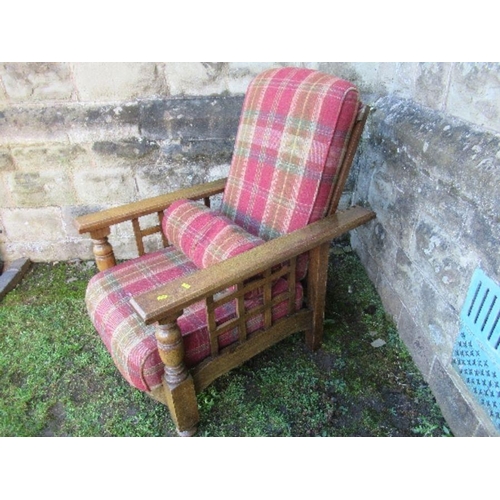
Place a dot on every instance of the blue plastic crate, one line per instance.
(476, 354)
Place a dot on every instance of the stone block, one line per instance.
(5, 193)
(118, 81)
(380, 244)
(390, 299)
(358, 239)
(40, 189)
(438, 321)
(196, 78)
(132, 152)
(6, 160)
(88, 123)
(418, 345)
(437, 254)
(400, 79)
(71, 212)
(432, 83)
(363, 75)
(482, 240)
(45, 157)
(216, 172)
(3, 236)
(20, 124)
(154, 180)
(191, 119)
(49, 251)
(74, 249)
(124, 248)
(37, 81)
(65, 122)
(240, 74)
(396, 208)
(474, 93)
(111, 186)
(25, 225)
(459, 410)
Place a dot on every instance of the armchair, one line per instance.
(232, 282)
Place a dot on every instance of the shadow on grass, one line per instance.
(56, 378)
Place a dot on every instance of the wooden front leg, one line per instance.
(177, 381)
(316, 289)
(103, 251)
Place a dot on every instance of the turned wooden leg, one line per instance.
(177, 382)
(316, 289)
(103, 251)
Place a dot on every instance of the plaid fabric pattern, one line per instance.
(292, 135)
(203, 235)
(132, 344)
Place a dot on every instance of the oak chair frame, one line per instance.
(230, 280)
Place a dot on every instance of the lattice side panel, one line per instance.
(253, 304)
(140, 233)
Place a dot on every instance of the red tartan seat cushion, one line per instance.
(131, 343)
(292, 136)
(203, 235)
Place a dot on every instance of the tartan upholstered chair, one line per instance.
(232, 282)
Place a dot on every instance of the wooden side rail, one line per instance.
(171, 298)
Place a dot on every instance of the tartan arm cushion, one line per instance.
(203, 235)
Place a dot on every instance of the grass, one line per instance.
(56, 378)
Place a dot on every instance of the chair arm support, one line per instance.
(100, 220)
(169, 300)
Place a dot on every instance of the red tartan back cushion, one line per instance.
(292, 136)
(203, 235)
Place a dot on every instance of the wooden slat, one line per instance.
(148, 231)
(240, 311)
(160, 220)
(250, 313)
(250, 286)
(345, 166)
(268, 295)
(291, 285)
(225, 274)
(138, 236)
(212, 325)
(236, 354)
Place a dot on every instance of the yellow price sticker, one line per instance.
(162, 297)
(186, 286)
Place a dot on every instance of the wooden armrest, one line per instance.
(105, 218)
(173, 297)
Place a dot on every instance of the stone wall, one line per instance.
(430, 168)
(76, 137)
